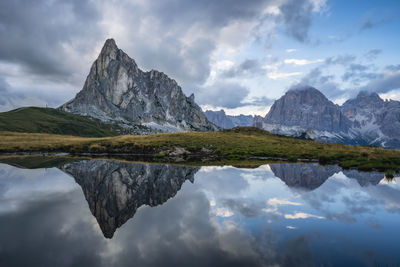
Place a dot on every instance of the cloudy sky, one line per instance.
(232, 54)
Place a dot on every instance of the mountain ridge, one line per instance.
(364, 120)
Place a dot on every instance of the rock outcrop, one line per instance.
(115, 190)
(224, 121)
(118, 91)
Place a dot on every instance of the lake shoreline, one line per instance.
(236, 145)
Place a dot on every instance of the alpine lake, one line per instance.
(106, 212)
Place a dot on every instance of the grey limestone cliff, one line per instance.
(306, 107)
(117, 90)
(377, 122)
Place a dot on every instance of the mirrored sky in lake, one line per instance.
(110, 213)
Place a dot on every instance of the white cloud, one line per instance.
(276, 201)
(282, 75)
(224, 64)
(302, 215)
(222, 212)
(319, 5)
(302, 62)
(290, 50)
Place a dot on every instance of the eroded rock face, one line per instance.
(306, 107)
(116, 90)
(305, 176)
(375, 120)
(115, 190)
(364, 120)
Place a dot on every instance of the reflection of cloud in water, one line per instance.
(275, 202)
(302, 215)
(220, 220)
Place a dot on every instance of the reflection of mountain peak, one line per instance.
(115, 190)
(365, 178)
(308, 176)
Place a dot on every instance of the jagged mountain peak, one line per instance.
(117, 90)
(109, 46)
(365, 96)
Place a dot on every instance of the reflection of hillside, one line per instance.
(307, 176)
(115, 190)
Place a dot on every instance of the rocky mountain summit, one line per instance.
(377, 122)
(305, 109)
(117, 90)
(115, 190)
(224, 121)
(306, 112)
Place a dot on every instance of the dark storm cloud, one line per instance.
(34, 33)
(297, 18)
(223, 94)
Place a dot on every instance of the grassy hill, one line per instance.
(53, 121)
(241, 143)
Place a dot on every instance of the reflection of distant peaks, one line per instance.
(115, 190)
(364, 178)
(307, 176)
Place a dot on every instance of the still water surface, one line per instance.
(110, 213)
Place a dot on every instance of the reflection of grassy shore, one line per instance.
(231, 145)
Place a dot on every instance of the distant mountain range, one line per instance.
(117, 91)
(224, 121)
(364, 120)
(305, 112)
